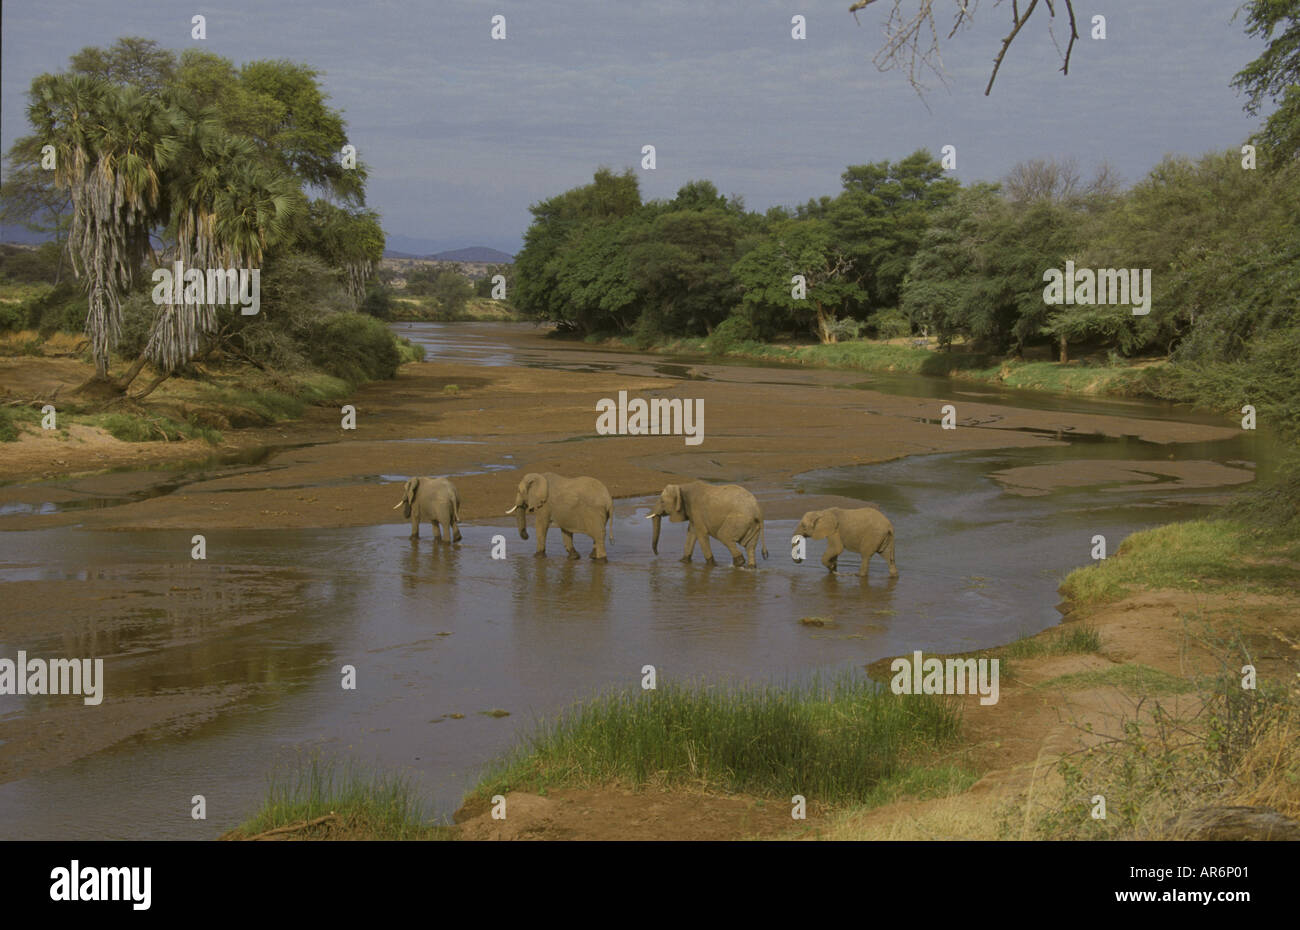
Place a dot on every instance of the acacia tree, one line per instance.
(912, 35)
(1275, 76)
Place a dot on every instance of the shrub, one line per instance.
(354, 347)
(11, 318)
(728, 335)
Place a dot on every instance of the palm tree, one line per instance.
(229, 207)
(112, 145)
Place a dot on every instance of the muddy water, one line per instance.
(435, 632)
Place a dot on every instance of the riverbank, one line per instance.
(1135, 698)
(1121, 379)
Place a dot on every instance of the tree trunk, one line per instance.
(125, 381)
(150, 389)
(1065, 349)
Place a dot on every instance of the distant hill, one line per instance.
(477, 253)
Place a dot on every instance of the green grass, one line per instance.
(367, 806)
(1198, 555)
(13, 419)
(1131, 677)
(131, 427)
(836, 741)
(272, 406)
(1065, 640)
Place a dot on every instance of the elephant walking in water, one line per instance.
(726, 512)
(575, 505)
(864, 530)
(435, 500)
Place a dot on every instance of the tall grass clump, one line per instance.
(357, 804)
(833, 739)
(1071, 639)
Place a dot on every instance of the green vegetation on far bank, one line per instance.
(1121, 378)
(839, 741)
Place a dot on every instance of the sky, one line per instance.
(462, 133)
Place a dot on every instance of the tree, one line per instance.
(879, 220)
(765, 276)
(1275, 76)
(682, 263)
(912, 37)
(112, 145)
(607, 198)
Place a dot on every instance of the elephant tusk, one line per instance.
(398, 504)
(649, 516)
(512, 510)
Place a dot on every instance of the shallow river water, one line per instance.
(436, 632)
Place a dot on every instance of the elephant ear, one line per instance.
(536, 490)
(825, 524)
(674, 494)
(412, 487)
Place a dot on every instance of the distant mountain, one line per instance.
(477, 253)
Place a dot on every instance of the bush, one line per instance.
(11, 318)
(728, 335)
(377, 303)
(354, 347)
(892, 324)
(60, 309)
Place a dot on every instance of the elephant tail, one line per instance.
(762, 536)
(609, 516)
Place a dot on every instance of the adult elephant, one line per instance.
(864, 530)
(575, 505)
(435, 500)
(727, 512)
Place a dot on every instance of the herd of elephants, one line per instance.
(728, 513)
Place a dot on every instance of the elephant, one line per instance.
(435, 500)
(726, 512)
(864, 530)
(575, 505)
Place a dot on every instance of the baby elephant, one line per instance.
(864, 530)
(435, 500)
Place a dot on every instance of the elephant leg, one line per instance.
(737, 556)
(568, 544)
(866, 564)
(832, 555)
(690, 544)
(436, 529)
(415, 523)
(706, 549)
(542, 526)
(598, 550)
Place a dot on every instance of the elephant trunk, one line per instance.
(406, 508)
(521, 520)
(654, 540)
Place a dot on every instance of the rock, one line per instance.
(1232, 823)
